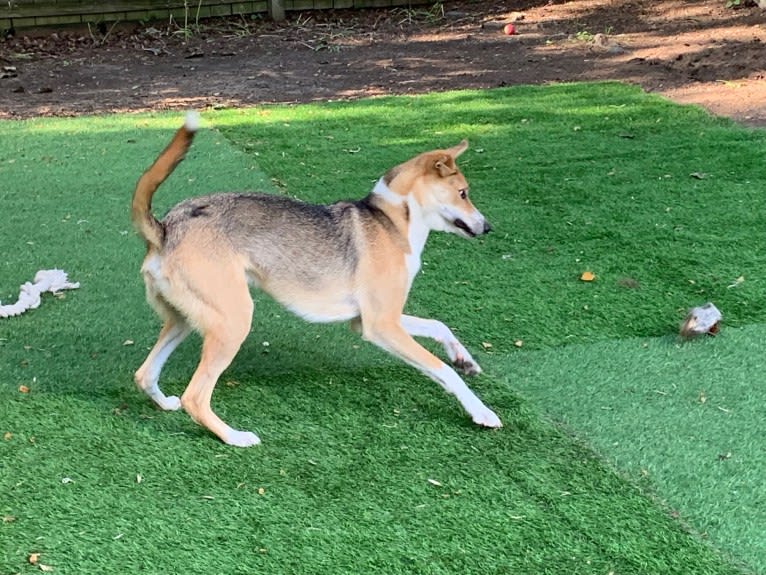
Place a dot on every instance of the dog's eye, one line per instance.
(463, 194)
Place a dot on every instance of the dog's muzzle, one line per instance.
(461, 225)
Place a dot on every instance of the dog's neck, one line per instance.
(406, 214)
(401, 209)
(382, 191)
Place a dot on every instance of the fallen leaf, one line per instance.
(120, 409)
(518, 343)
(737, 282)
(486, 345)
(7, 435)
(139, 478)
(128, 342)
(33, 558)
(587, 276)
(8, 519)
(23, 389)
(629, 283)
(261, 491)
(698, 175)
(46, 568)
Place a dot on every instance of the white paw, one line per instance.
(241, 438)
(487, 418)
(169, 403)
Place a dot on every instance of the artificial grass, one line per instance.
(663, 203)
(344, 484)
(96, 480)
(599, 178)
(679, 417)
(65, 186)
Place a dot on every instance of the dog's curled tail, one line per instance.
(141, 209)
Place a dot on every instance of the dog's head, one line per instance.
(437, 192)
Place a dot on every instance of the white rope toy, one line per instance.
(29, 294)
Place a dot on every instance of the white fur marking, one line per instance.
(439, 332)
(451, 382)
(382, 190)
(166, 402)
(192, 121)
(152, 266)
(417, 229)
(417, 234)
(330, 316)
(241, 438)
(160, 354)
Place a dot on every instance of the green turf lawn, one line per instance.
(366, 466)
(678, 418)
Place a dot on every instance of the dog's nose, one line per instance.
(487, 227)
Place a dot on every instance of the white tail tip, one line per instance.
(192, 121)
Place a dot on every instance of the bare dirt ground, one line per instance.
(692, 51)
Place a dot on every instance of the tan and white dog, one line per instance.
(350, 261)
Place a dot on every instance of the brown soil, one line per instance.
(693, 51)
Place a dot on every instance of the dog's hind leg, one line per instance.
(436, 330)
(389, 334)
(224, 323)
(173, 332)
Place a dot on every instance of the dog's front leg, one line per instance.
(436, 330)
(391, 336)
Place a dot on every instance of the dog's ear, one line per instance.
(445, 165)
(455, 151)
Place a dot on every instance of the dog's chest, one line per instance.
(416, 236)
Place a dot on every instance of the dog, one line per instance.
(348, 261)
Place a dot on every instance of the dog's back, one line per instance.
(304, 255)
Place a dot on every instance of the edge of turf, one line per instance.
(675, 417)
